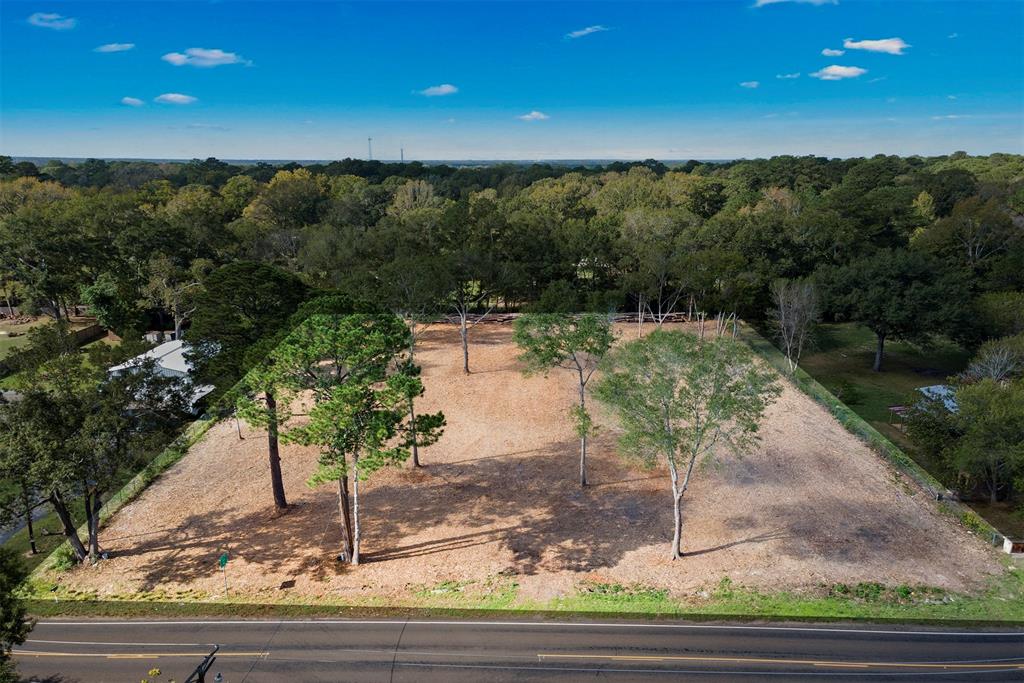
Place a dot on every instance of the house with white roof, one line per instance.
(170, 361)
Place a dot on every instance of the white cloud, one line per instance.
(750, 84)
(830, 52)
(439, 90)
(115, 47)
(204, 57)
(579, 33)
(787, 77)
(174, 98)
(838, 73)
(132, 101)
(762, 3)
(58, 22)
(950, 97)
(534, 116)
(890, 46)
(951, 117)
(953, 35)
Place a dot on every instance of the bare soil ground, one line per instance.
(498, 496)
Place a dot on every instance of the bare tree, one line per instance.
(794, 316)
(1000, 360)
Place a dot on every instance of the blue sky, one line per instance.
(510, 80)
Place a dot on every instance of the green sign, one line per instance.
(222, 561)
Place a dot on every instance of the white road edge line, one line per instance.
(522, 624)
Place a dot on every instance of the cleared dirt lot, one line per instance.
(498, 497)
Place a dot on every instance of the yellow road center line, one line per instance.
(136, 655)
(802, 662)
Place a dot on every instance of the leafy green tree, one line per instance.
(83, 431)
(897, 294)
(42, 249)
(572, 343)
(266, 393)
(361, 379)
(115, 305)
(991, 449)
(973, 235)
(678, 398)
(558, 297)
(239, 304)
(14, 622)
(473, 274)
(980, 443)
(19, 494)
(1000, 314)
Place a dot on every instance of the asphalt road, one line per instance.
(422, 651)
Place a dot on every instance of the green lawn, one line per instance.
(842, 359)
(8, 342)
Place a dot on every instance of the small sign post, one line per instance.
(222, 562)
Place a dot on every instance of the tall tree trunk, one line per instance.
(92, 519)
(412, 428)
(178, 321)
(879, 351)
(412, 409)
(61, 508)
(464, 331)
(355, 511)
(678, 491)
(26, 500)
(583, 436)
(280, 502)
(677, 511)
(346, 515)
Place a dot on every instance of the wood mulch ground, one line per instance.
(498, 496)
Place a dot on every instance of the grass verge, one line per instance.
(1001, 604)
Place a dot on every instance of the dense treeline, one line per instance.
(136, 239)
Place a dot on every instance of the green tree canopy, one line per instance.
(897, 294)
(679, 397)
(576, 343)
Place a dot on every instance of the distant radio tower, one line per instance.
(401, 154)
(369, 147)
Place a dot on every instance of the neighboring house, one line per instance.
(170, 361)
(942, 392)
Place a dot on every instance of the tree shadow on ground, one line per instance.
(529, 504)
(296, 540)
(529, 508)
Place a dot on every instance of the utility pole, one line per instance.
(369, 148)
